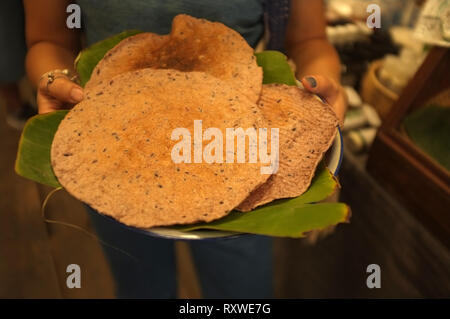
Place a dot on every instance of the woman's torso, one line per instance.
(102, 19)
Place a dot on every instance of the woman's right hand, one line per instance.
(62, 93)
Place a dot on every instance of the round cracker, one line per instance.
(306, 130)
(113, 150)
(125, 57)
(193, 45)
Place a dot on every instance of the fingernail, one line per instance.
(76, 94)
(312, 81)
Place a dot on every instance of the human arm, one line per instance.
(51, 45)
(315, 58)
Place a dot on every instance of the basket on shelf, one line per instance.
(375, 93)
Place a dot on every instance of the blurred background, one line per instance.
(395, 174)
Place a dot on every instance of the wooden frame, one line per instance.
(421, 184)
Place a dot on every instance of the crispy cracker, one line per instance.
(113, 150)
(307, 129)
(193, 45)
(125, 56)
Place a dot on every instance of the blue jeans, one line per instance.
(227, 268)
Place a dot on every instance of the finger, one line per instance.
(48, 104)
(62, 89)
(312, 237)
(317, 235)
(323, 86)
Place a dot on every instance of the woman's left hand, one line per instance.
(330, 91)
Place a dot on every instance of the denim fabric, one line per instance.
(150, 273)
(227, 268)
(235, 268)
(102, 19)
(277, 14)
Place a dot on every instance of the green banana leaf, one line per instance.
(33, 156)
(290, 221)
(284, 218)
(275, 67)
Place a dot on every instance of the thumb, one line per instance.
(64, 90)
(325, 87)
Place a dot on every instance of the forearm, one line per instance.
(45, 56)
(315, 56)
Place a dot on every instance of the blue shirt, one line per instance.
(101, 18)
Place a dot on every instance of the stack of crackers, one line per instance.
(114, 150)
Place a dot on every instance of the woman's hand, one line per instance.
(62, 93)
(330, 91)
(333, 94)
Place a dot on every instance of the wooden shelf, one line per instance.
(416, 179)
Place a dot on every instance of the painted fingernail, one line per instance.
(76, 94)
(312, 81)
